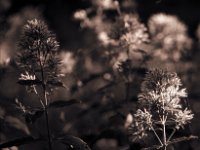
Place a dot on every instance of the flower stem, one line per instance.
(48, 129)
(174, 130)
(164, 137)
(46, 117)
(152, 128)
(46, 105)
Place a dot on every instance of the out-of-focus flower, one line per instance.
(169, 36)
(96, 23)
(4, 56)
(130, 36)
(130, 32)
(118, 60)
(67, 62)
(129, 120)
(105, 39)
(80, 14)
(198, 33)
(11, 148)
(106, 4)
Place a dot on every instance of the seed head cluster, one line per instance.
(160, 101)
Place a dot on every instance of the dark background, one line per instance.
(96, 120)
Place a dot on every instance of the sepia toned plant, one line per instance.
(169, 36)
(39, 54)
(38, 57)
(160, 107)
(43, 69)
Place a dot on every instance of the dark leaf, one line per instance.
(17, 142)
(73, 143)
(17, 123)
(85, 81)
(32, 116)
(63, 103)
(111, 134)
(29, 82)
(56, 83)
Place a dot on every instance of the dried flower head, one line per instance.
(160, 98)
(38, 52)
(141, 124)
(37, 37)
(183, 117)
(161, 86)
(169, 36)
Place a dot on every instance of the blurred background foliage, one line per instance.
(89, 60)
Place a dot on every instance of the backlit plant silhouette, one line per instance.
(38, 58)
(41, 63)
(161, 108)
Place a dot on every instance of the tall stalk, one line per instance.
(47, 118)
(164, 137)
(39, 58)
(45, 105)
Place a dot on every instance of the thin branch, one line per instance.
(35, 90)
(184, 138)
(171, 135)
(46, 102)
(156, 135)
(152, 147)
(48, 129)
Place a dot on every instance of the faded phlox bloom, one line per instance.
(161, 94)
(130, 32)
(169, 36)
(38, 52)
